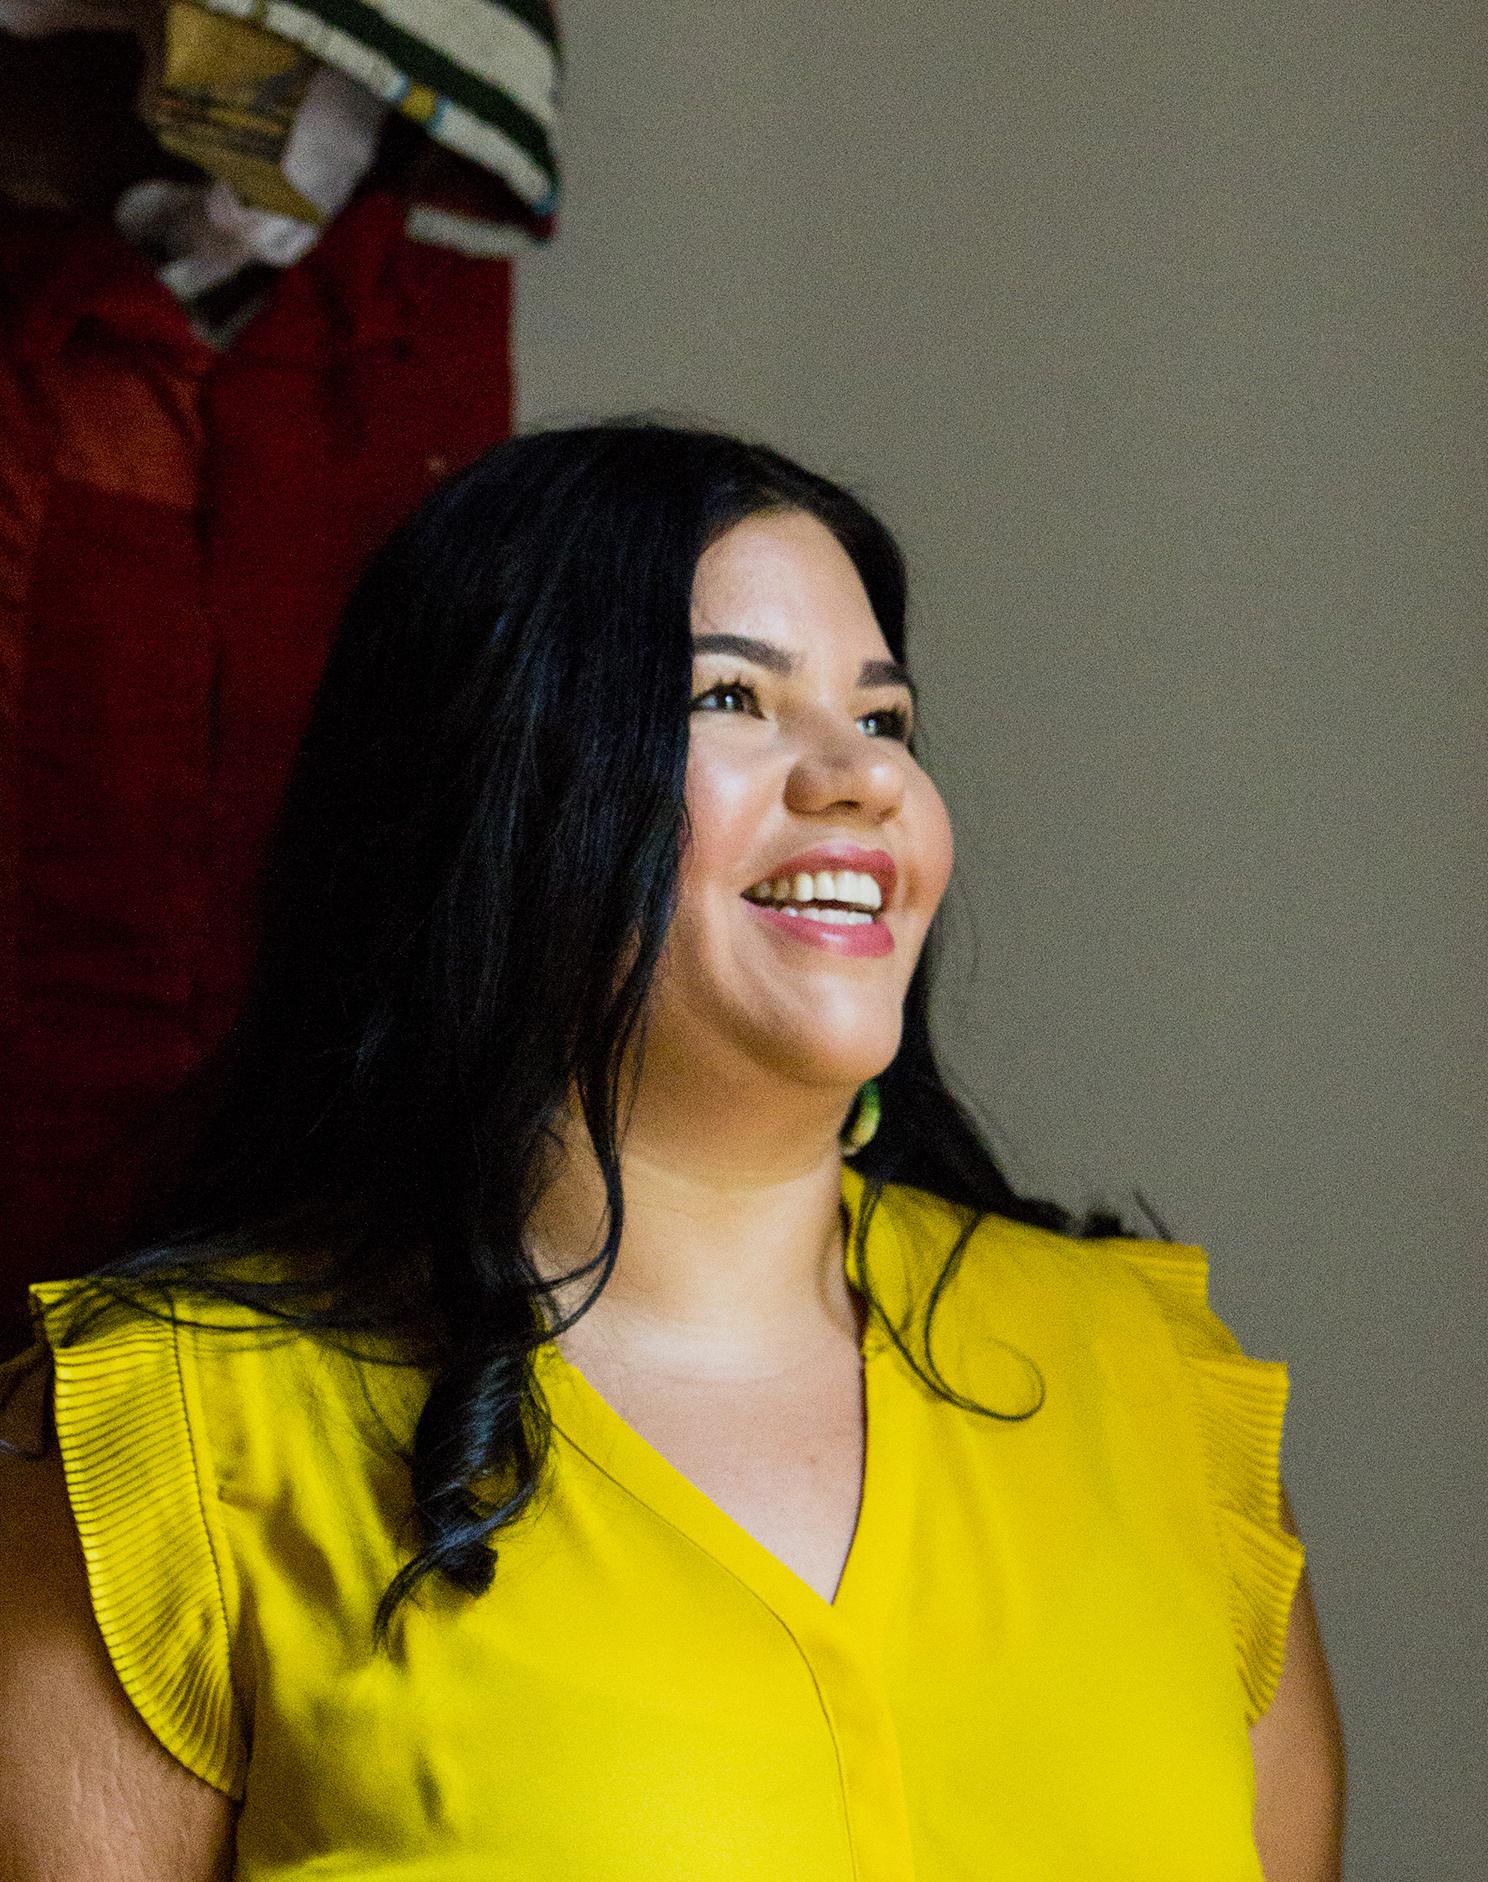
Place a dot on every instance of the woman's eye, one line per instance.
(739, 695)
(726, 689)
(896, 718)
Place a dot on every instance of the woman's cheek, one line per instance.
(935, 848)
(723, 814)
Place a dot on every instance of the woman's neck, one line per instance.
(720, 1273)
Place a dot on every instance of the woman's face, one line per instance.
(797, 776)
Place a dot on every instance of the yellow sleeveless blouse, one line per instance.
(1049, 1640)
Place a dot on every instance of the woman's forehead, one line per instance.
(784, 580)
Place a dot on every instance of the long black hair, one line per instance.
(472, 880)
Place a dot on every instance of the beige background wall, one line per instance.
(1157, 331)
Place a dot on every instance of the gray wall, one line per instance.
(1157, 332)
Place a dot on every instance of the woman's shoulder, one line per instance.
(217, 1354)
(1107, 1287)
(187, 1426)
(86, 1782)
(102, 1392)
(1120, 1317)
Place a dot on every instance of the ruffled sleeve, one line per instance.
(1241, 1405)
(129, 1452)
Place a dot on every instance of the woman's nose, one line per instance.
(840, 767)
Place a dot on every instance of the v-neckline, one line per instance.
(874, 1560)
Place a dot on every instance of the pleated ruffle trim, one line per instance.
(127, 1449)
(1242, 1407)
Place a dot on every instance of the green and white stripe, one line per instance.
(492, 67)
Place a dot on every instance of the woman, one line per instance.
(592, 1406)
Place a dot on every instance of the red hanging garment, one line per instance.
(178, 531)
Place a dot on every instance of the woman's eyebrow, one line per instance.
(765, 653)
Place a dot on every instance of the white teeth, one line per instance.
(839, 917)
(825, 885)
(855, 887)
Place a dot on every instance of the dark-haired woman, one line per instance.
(592, 1408)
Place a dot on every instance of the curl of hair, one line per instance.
(472, 878)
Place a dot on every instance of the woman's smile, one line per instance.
(835, 896)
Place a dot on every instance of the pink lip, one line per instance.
(869, 937)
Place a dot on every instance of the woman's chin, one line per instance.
(837, 1066)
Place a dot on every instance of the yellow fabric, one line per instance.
(1050, 1636)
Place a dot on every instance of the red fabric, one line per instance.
(178, 530)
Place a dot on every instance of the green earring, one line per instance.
(866, 1113)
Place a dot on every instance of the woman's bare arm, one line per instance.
(87, 1793)
(1297, 1745)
